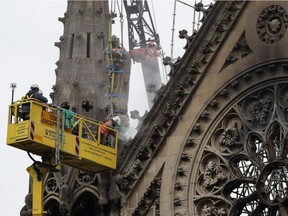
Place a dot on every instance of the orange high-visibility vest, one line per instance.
(105, 130)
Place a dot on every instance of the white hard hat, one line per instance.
(33, 86)
(117, 119)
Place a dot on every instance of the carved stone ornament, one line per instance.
(230, 137)
(213, 174)
(240, 50)
(150, 196)
(213, 210)
(272, 24)
(84, 178)
(27, 209)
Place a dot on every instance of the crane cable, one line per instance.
(164, 73)
(110, 61)
(173, 30)
(50, 167)
(112, 9)
(110, 53)
(60, 123)
(110, 49)
(121, 21)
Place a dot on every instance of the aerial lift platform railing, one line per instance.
(43, 134)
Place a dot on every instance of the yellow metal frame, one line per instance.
(37, 135)
(38, 194)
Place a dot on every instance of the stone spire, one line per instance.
(81, 73)
(92, 74)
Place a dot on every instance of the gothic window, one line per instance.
(71, 46)
(88, 54)
(86, 204)
(52, 206)
(243, 169)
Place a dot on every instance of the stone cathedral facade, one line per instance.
(215, 141)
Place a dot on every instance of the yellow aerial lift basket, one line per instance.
(43, 134)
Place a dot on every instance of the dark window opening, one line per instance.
(71, 46)
(88, 45)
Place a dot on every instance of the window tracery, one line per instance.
(243, 170)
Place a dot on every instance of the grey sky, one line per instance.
(28, 55)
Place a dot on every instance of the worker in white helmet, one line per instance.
(117, 121)
(32, 93)
(36, 93)
(107, 130)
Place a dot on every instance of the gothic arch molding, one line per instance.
(86, 189)
(228, 124)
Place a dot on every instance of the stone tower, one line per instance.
(82, 74)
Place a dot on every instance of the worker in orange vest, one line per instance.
(106, 130)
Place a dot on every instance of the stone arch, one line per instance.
(239, 123)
